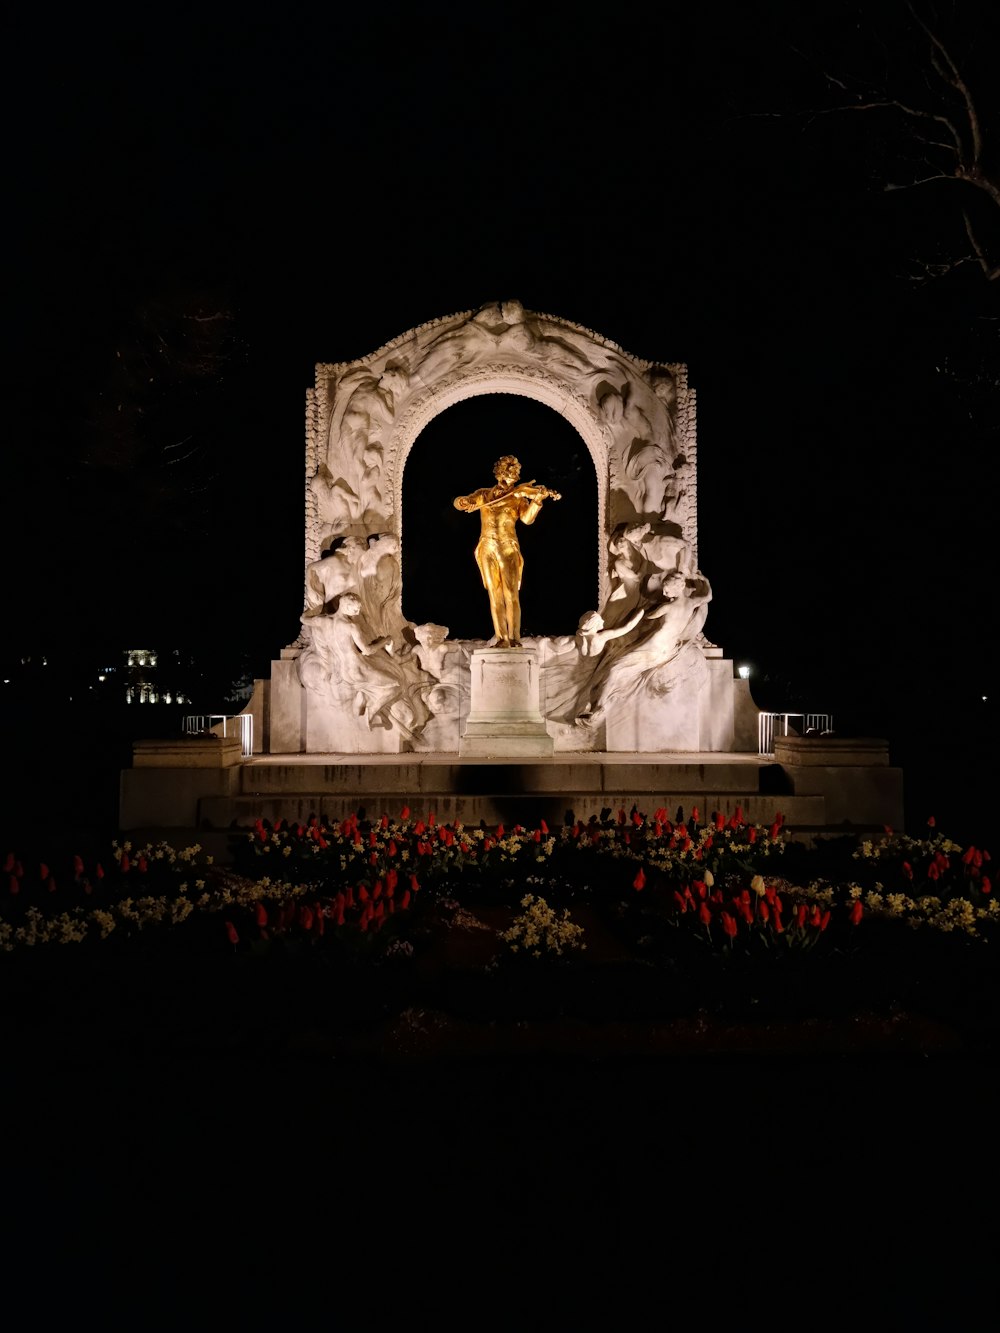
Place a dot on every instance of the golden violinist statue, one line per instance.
(498, 554)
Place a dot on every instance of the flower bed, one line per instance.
(621, 909)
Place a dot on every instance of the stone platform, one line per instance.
(826, 785)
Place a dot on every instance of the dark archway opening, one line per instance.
(454, 455)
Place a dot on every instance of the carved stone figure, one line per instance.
(592, 635)
(431, 648)
(344, 504)
(362, 672)
(667, 627)
(334, 574)
(498, 553)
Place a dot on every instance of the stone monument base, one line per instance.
(504, 714)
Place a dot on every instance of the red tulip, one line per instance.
(694, 814)
(765, 912)
(729, 925)
(500, 832)
(77, 865)
(680, 900)
(640, 880)
(125, 863)
(405, 812)
(404, 902)
(752, 835)
(414, 884)
(704, 915)
(856, 911)
(720, 822)
(261, 915)
(377, 890)
(419, 827)
(231, 932)
(985, 884)
(543, 827)
(431, 819)
(932, 822)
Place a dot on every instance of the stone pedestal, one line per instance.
(504, 715)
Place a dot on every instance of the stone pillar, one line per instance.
(504, 716)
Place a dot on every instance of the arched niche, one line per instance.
(635, 417)
(455, 454)
(518, 385)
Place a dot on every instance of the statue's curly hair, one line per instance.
(502, 464)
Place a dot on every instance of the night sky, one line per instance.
(206, 206)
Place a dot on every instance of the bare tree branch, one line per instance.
(942, 129)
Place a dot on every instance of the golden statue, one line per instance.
(498, 555)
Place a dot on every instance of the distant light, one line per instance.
(744, 672)
(985, 696)
(102, 677)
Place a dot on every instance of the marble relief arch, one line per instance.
(640, 652)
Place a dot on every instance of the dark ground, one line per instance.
(183, 1156)
(164, 1188)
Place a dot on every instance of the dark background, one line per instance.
(206, 205)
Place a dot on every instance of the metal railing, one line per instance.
(231, 723)
(770, 725)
